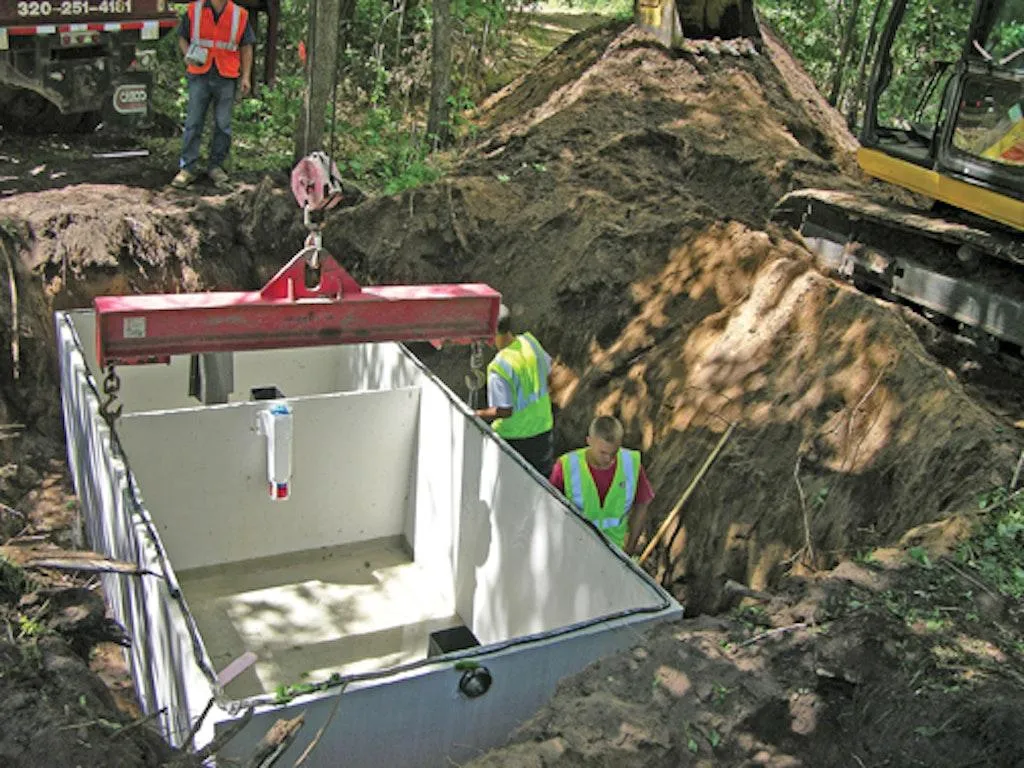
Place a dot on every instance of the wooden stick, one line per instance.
(1016, 472)
(773, 632)
(99, 565)
(275, 742)
(319, 733)
(229, 733)
(12, 289)
(686, 494)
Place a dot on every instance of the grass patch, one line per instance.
(996, 550)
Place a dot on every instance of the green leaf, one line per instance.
(921, 556)
(692, 745)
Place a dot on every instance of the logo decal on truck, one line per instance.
(130, 99)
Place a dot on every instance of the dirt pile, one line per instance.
(864, 666)
(619, 199)
(55, 709)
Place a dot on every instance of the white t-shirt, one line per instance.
(499, 391)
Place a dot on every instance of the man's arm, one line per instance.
(493, 414)
(638, 515)
(637, 524)
(184, 33)
(245, 86)
(499, 399)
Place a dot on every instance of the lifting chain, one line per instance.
(313, 219)
(111, 388)
(476, 379)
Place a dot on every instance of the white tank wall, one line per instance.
(296, 372)
(203, 476)
(164, 659)
(522, 561)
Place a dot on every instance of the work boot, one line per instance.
(219, 177)
(185, 178)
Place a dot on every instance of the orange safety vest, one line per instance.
(221, 38)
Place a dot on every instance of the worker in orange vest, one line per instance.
(216, 41)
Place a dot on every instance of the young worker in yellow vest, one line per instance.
(216, 41)
(607, 482)
(518, 395)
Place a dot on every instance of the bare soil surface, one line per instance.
(618, 197)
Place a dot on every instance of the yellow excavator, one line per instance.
(960, 257)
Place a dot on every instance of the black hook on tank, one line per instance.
(475, 682)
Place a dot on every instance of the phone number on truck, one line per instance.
(72, 7)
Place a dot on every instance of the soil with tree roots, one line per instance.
(618, 196)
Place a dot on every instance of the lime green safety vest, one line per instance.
(612, 517)
(524, 366)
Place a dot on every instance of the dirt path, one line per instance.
(618, 197)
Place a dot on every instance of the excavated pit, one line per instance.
(618, 198)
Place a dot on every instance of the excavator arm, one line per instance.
(671, 21)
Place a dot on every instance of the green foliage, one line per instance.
(996, 551)
(285, 693)
(618, 9)
(385, 154)
(28, 627)
(932, 31)
(810, 29)
(381, 88)
(264, 128)
(13, 582)
(920, 556)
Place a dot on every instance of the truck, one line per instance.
(68, 62)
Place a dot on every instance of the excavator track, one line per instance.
(970, 274)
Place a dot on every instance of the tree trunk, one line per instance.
(865, 55)
(844, 53)
(438, 125)
(321, 63)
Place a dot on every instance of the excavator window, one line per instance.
(990, 122)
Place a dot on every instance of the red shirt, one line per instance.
(603, 480)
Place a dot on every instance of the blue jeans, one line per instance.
(203, 90)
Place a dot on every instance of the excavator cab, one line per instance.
(673, 20)
(943, 118)
(962, 141)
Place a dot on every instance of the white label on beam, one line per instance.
(135, 328)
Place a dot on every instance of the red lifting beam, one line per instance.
(286, 313)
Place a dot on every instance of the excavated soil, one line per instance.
(618, 197)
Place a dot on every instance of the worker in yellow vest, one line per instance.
(216, 41)
(607, 483)
(519, 395)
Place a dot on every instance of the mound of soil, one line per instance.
(619, 201)
(852, 668)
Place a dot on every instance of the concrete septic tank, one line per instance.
(420, 592)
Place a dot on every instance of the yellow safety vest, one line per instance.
(524, 366)
(612, 517)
